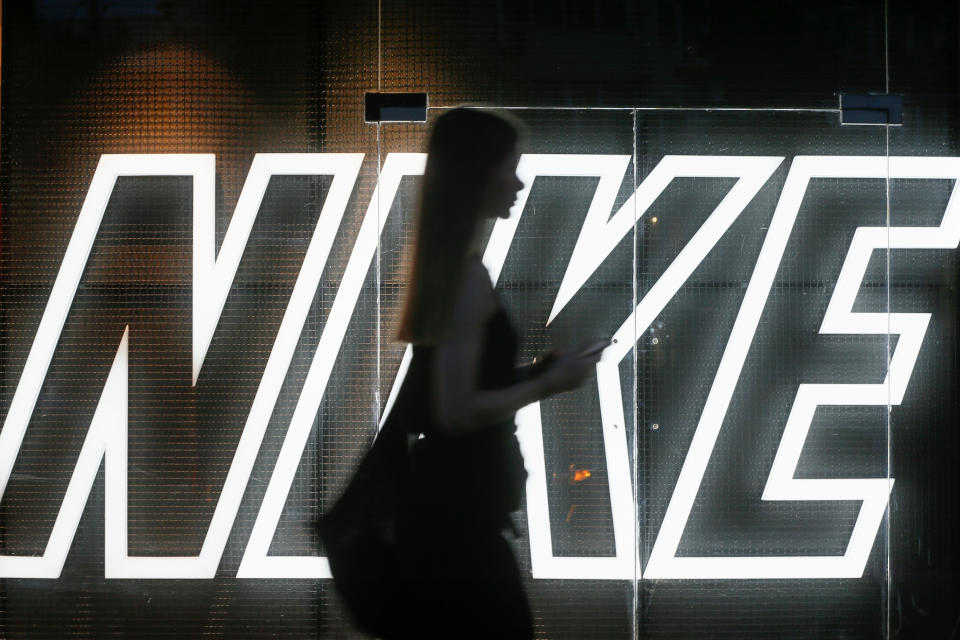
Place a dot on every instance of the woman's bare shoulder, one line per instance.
(476, 300)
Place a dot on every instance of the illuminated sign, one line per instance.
(213, 276)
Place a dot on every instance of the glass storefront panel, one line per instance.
(731, 547)
(689, 192)
(925, 445)
(576, 542)
(652, 53)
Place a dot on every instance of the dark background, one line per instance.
(646, 79)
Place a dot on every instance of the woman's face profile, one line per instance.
(502, 187)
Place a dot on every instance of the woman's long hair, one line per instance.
(465, 147)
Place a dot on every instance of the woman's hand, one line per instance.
(567, 370)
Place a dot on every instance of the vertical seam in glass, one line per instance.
(886, 48)
(888, 583)
(635, 623)
(379, 64)
(376, 389)
(379, 315)
(889, 579)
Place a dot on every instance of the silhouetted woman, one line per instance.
(467, 471)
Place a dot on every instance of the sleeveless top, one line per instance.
(478, 478)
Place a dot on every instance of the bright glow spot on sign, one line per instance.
(579, 475)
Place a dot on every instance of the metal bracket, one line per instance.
(884, 109)
(395, 107)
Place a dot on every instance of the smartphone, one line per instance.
(594, 347)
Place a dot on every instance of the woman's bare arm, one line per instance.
(461, 407)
